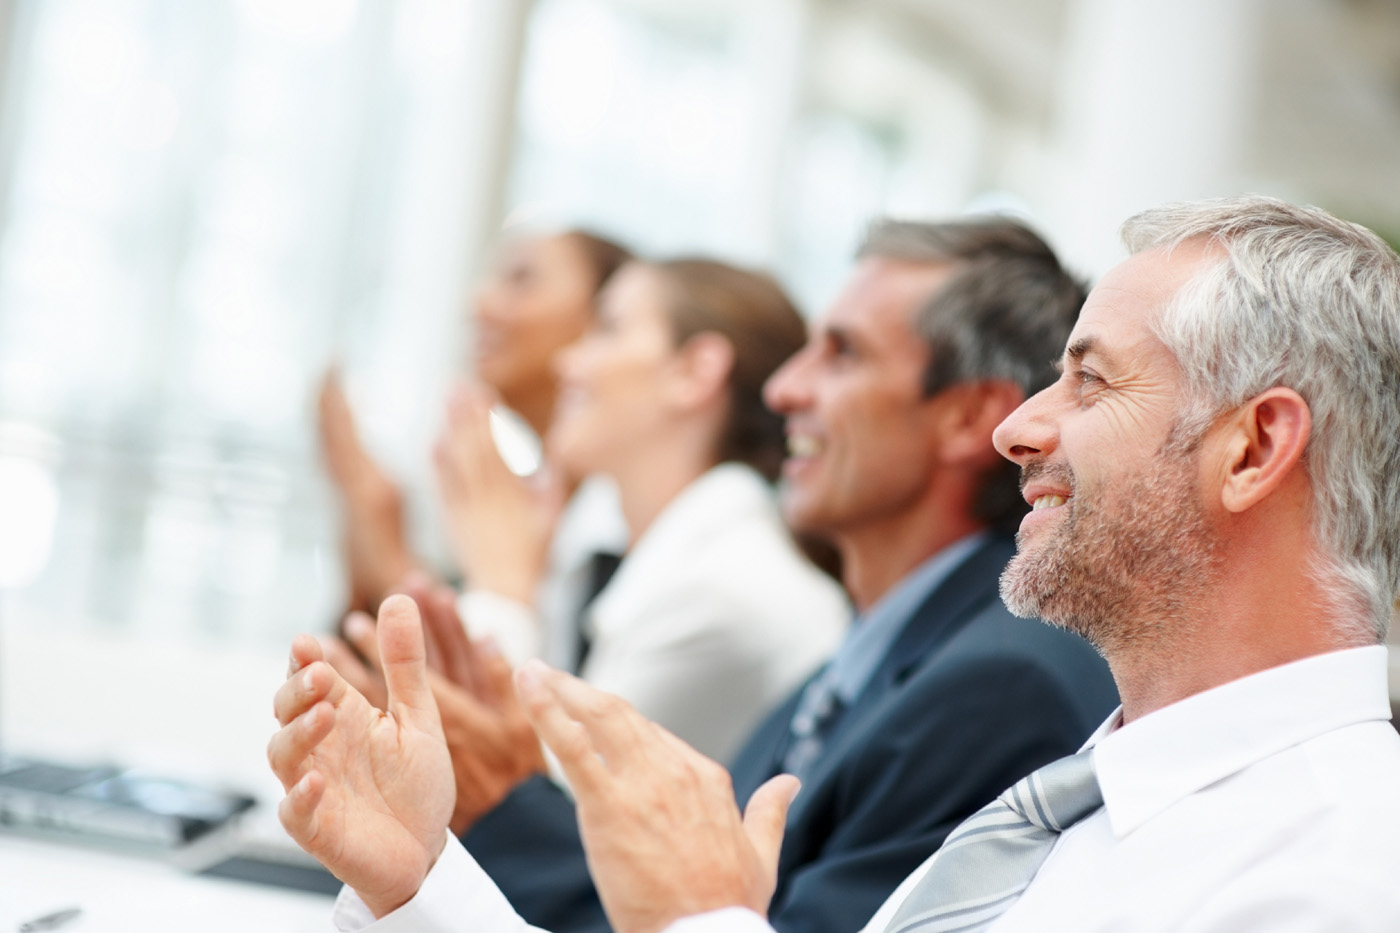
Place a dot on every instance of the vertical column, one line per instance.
(498, 47)
(13, 26)
(1153, 105)
(774, 42)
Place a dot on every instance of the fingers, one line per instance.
(305, 650)
(418, 586)
(404, 663)
(290, 746)
(336, 422)
(616, 730)
(565, 737)
(304, 689)
(445, 625)
(495, 679)
(297, 811)
(765, 818)
(348, 665)
(330, 400)
(359, 631)
(466, 452)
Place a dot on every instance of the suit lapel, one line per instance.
(952, 604)
(758, 761)
(958, 598)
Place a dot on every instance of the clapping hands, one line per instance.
(369, 790)
(490, 740)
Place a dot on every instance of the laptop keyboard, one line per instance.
(51, 778)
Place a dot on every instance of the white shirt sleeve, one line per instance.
(725, 920)
(456, 897)
(514, 625)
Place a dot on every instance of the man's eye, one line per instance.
(1089, 383)
(839, 347)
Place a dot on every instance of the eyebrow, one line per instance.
(1081, 348)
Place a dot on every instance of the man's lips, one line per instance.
(1048, 500)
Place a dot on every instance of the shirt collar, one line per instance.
(1147, 765)
(874, 631)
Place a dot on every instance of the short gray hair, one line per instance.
(1312, 303)
(1004, 314)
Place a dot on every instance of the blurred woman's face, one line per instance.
(538, 300)
(612, 381)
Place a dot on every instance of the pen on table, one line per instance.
(51, 921)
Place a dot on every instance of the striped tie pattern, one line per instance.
(987, 862)
(815, 714)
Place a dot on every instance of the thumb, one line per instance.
(404, 660)
(765, 818)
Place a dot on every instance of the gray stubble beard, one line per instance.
(1121, 570)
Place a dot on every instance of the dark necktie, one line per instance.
(989, 860)
(598, 571)
(817, 711)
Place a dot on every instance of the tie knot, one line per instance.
(1058, 795)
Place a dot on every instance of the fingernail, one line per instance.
(527, 679)
(307, 683)
(357, 626)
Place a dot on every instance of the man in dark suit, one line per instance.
(940, 698)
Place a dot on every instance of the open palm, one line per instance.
(369, 792)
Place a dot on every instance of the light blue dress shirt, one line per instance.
(874, 631)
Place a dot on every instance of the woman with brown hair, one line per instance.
(538, 298)
(714, 614)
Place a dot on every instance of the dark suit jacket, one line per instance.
(968, 700)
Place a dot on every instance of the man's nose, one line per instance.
(787, 387)
(1027, 432)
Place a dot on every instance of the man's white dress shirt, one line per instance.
(1269, 803)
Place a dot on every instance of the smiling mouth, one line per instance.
(1048, 501)
(803, 446)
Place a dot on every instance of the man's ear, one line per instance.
(969, 413)
(702, 367)
(1263, 444)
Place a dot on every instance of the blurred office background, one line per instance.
(202, 204)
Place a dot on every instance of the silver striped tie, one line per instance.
(987, 862)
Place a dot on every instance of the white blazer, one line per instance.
(714, 616)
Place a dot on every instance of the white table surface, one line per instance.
(119, 893)
(180, 709)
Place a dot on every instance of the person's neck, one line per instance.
(646, 483)
(1248, 622)
(877, 555)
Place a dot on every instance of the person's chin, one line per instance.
(804, 513)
